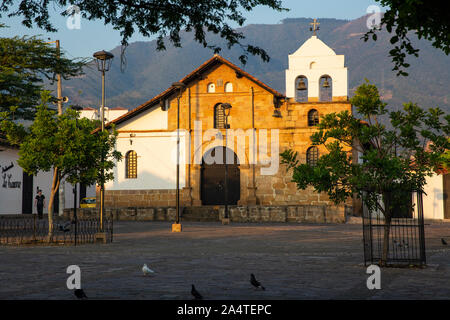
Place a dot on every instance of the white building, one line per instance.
(436, 202)
(314, 62)
(435, 199)
(18, 190)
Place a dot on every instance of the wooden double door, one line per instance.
(213, 178)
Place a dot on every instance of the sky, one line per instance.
(92, 36)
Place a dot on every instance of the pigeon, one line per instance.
(401, 244)
(443, 241)
(255, 282)
(405, 244)
(65, 227)
(196, 294)
(79, 293)
(147, 271)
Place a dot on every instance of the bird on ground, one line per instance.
(65, 227)
(443, 241)
(147, 271)
(79, 293)
(400, 244)
(405, 244)
(196, 294)
(255, 282)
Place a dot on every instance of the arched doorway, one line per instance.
(213, 177)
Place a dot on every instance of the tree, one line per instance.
(24, 64)
(427, 19)
(394, 161)
(156, 17)
(446, 158)
(64, 145)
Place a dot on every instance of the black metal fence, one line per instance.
(28, 229)
(404, 236)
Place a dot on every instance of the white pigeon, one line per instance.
(147, 271)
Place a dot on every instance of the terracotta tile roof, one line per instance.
(192, 76)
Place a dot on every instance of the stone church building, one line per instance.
(262, 123)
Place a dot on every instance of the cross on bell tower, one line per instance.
(315, 26)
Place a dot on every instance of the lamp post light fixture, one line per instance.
(103, 59)
(75, 219)
(179, 86)
(277, 113)
(277, 104)
(226, 108)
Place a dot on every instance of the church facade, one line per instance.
(261, 122)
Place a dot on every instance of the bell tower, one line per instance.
(316, 73)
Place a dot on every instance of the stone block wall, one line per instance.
(141, 198)
(244, 214)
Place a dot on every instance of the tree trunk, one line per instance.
(53, 190)
(387, 228)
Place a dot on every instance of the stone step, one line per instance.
(202, 214)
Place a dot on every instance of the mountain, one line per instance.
(149, 72)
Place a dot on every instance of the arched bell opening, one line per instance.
(301, 89)
(325, 88)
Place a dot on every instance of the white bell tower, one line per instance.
(315, 60)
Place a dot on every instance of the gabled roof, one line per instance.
(216, 59)
(314, 47)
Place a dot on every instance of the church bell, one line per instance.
(301, 85)
(326, 84)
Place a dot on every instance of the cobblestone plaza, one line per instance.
(293, 261)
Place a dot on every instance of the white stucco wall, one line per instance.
(433, 200)
(156, 162)
(313, 60)
(152, 119)
(156, 152)
(10, 198)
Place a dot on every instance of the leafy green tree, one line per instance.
(446, 158)
(25, 62)
(426, 19)
(156, 17)
(395, 161)
(64, 145)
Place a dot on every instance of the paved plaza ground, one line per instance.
(292, 261)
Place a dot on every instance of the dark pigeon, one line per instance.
(65, 227)
(196, 294)
(79, 293)
(443, 241)
(255, 282)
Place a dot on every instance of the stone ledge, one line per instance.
(252, 214)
